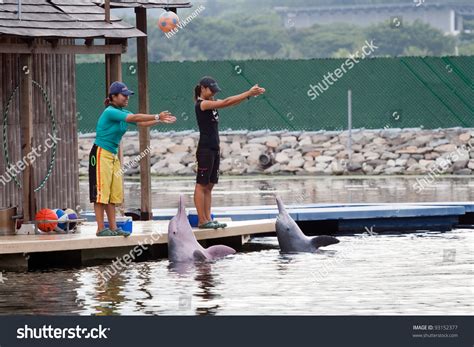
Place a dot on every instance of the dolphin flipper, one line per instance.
(199, 255)
(323, 240)
(219, 251)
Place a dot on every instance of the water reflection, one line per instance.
(418, 273)
(300, 190)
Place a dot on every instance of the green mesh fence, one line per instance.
(431, 92)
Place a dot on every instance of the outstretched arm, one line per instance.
(231, 100)
(154, 122)
(150, 119)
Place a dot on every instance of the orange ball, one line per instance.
(46, 214)
(168, 21)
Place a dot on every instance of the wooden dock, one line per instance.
(84, 247)
(22, 252)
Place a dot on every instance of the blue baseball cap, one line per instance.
(120, 88)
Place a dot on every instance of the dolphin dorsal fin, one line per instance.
(199, 255)
(219, 251)
(323, 240)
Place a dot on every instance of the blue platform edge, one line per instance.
(315, 212)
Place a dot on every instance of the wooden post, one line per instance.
(26, 121)
(113, 72)
(144, 107)
(113, 68)
(107, 11)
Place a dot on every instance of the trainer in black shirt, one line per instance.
(208, 151)
(208, 122)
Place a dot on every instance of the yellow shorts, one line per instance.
(105, 177)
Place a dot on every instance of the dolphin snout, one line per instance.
(180, 220)
(181, 206)
(281, 206)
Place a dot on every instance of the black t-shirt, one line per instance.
(208, 122)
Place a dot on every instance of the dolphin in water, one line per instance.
(290, 237)
(182, 244)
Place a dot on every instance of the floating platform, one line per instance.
(84, 247)
(23, 252)
(317, 219)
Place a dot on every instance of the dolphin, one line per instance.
(290, 237)
(182, 244)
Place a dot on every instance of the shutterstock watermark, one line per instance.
(184, 302)
(449, 255)
(49, 332)
(28, 159)
(185, 22)
(134, 161)
(2, 278)
(418, 3)
(329, 264)
(120, 263)
(332, 77)
(441, 165)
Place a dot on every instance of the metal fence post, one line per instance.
(349, 124)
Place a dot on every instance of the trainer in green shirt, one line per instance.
(111, 127)
(105, 176)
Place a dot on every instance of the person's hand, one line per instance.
(256, 90)
(167, 117)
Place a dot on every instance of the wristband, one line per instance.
(157, 118)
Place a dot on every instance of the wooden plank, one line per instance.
(38, 8)
(56, 17)
(54, 74)
(70, 23)
(20, 48)
(10, 195)
(72, 100)
(144, 107)
(107, 11)
(26, 121)
(145, 4)
(73, 8)
(69, 2)
(113, 32)
(143, 233)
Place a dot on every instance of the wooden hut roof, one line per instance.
(61, 19)
(146, 3)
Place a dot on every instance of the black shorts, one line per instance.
(207, 165)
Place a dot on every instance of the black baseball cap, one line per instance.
(211, 83)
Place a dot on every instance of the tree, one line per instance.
(322, 41)
(397, 41)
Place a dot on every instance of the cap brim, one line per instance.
(128, 93)
(215, 89)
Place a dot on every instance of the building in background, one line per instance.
(445, 17)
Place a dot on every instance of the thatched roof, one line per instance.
(61, 19)
(146, 3)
